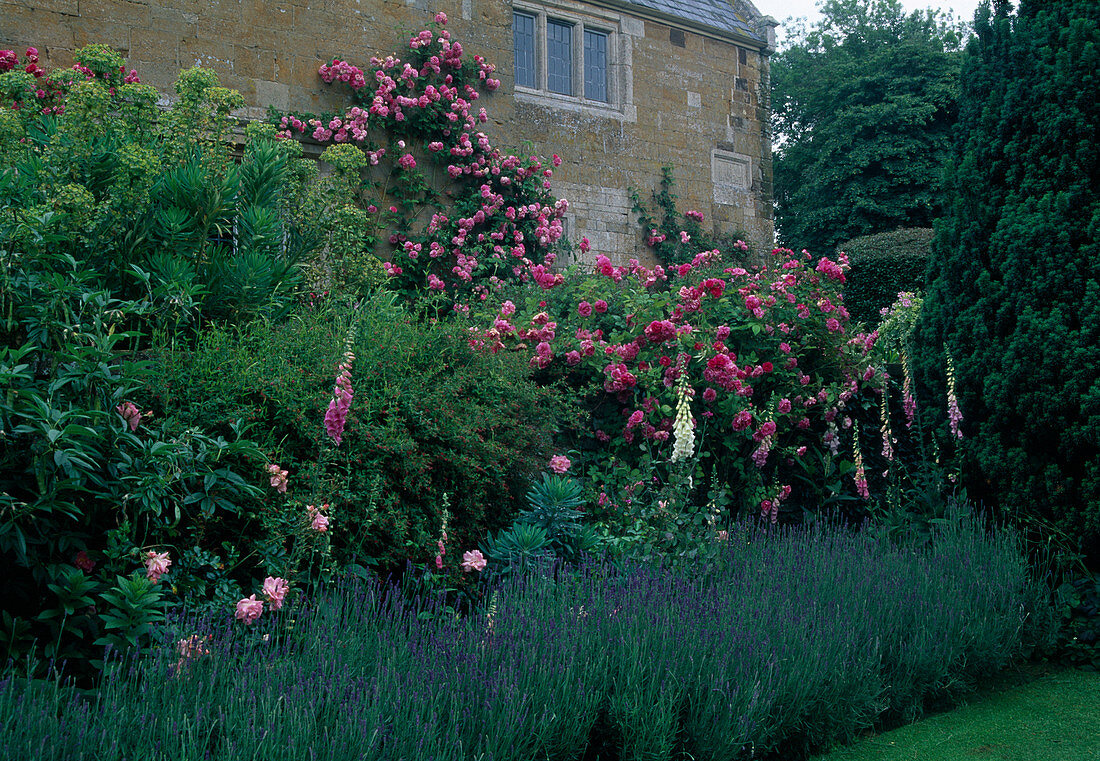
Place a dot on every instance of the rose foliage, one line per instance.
(772, 379)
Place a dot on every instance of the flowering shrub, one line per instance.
(121, 225)
(429, 420)
(461, 218)
(751, 375)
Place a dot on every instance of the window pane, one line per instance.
(595, 65)
(523, 41)
(559, 57)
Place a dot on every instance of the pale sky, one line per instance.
(782, 10)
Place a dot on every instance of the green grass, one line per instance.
(1033, 712)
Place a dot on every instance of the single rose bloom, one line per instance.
(560, 464)
(83, 562)
(249, 609)
(156, 565)
(274, 591)
(473, 561)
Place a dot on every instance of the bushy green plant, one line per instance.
(119, 226)
(151, 201)
(89, 485)
(555, 505)
(1014, 291)
(882, 266)
(430, 420)
(517, 550)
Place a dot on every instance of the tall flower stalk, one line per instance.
(683, 429)
(954, 415)
(909, 404)
(860, 476)
(336, 416)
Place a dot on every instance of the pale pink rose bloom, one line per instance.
(275, 590)
(130, 413)
(559, 464)
(156, 565)
(278, 478)
(473, 561)
(249, 609)
(320, 523)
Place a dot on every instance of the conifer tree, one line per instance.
(1014, 289)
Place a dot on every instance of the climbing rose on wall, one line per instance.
(420, 114)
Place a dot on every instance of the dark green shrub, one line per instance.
(431, 422)
(1014, 290)
(884, 265)
(89, 486)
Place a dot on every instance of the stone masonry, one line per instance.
(682, 92)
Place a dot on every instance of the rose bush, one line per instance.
(454, 217)
(759, 365)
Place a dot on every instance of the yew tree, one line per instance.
(1015, 272)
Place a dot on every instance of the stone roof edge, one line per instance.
(765, 46)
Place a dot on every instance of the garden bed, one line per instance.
(787, 642)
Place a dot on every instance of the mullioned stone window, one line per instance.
(565, 59)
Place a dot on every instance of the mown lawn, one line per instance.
(1037, 711)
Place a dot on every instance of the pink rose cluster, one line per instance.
(318, 521)
(274, 591)
(516, 223)
(277, 478)
(156, 565)
(788, 313)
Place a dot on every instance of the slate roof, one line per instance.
(717, 14)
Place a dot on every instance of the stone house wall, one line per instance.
(680, 96)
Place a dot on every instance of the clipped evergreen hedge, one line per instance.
(883, 265)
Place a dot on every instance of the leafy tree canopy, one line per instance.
(863, 104)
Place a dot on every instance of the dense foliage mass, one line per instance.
(884, 265)
(135, 248)
(431, 428)
(220, 400)
(863, 106)
(1015, 290)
